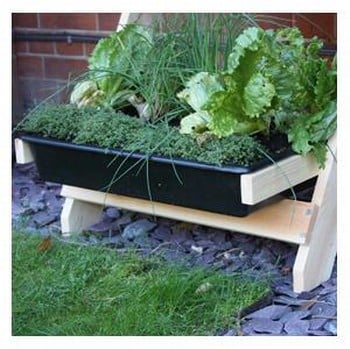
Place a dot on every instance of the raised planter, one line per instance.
(201, 193)
(231, 190)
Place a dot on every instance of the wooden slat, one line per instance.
(265, 183)
(285, 220)
(23, 152)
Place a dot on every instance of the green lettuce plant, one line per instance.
(274, 81)
(113, 61)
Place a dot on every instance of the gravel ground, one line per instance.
(38, 205)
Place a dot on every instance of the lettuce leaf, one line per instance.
(197, 93)
(194, 123)
(249, 40)
(309, 133)
(248, 91)
(325, 88)
(199, 89)
(116, 56)
(258, 94)
(227, 116)
(112, 54)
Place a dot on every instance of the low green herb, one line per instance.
(105, 128)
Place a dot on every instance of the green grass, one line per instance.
(83, 290)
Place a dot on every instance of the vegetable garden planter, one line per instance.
(172, 181)
(235, 198)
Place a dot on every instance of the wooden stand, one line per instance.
(310, 225)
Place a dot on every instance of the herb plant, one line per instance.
(108, 129)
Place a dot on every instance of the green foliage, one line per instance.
(86, 93)
(56, 121)
(116, 57)
(274, 80)
(108, 129)
(237, 83)
(199, 89)
(105, 128)
(227, 117)
(311, 132)
(85, 290)
(148, 64)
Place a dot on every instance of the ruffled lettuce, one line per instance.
(113, 61)
(274, 80)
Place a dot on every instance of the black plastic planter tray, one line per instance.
(172, 181)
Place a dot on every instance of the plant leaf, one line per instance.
(117, 56)
(258, 94)
(199, 89)
(311, 132)
(227, 116)
(249, 40)
(194, 123)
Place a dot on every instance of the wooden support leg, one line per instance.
(315, 258)
(78, 215)
(24, 154)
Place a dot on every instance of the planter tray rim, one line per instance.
(228, 168)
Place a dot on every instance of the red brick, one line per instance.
(63, 68)
(68, 21)
(274, 20)
(88, 48)
(29, 66)
(41, 47)
(24, 20)
(20, 47)
(108, 21)
(70, 49)
(17, 105)
(317, 24)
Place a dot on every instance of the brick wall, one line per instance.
(323, 25)
(64, 41)
(51, 48)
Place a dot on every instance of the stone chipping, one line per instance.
(37, 205)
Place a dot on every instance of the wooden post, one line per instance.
(78, 215)
(23, 152)
(315, 258)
